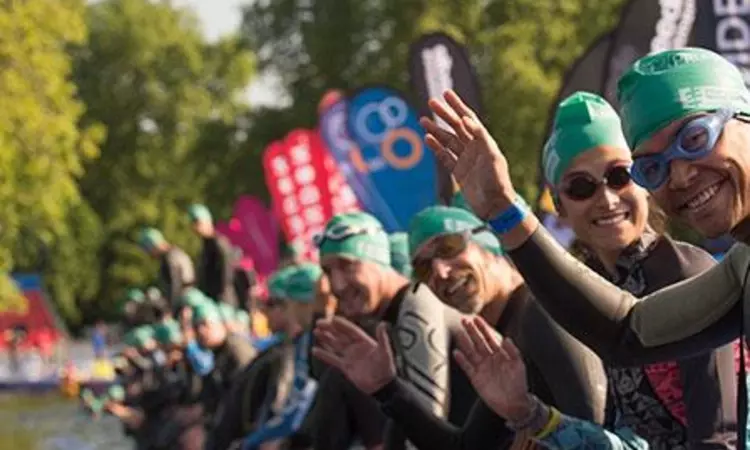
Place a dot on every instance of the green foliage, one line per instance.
(170, 103)
(43, 147)
(73, 197)
(520, 48)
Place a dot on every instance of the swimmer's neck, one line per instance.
(507, 285)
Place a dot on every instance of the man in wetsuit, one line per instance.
(232, 352)
(215, 271)
(684, 114)
(355, 256)
(176, 272)
(359, 416)
(456, 255)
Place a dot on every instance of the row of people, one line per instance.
(483, 345)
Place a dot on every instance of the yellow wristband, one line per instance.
(554, 420)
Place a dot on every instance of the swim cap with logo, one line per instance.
(400, 260)
(356, 235)
(441, 220)
(669, 85)
(583, 121)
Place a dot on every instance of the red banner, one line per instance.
(31, 311)
(343, 199)
(297, 178)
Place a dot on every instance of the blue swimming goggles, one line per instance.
(695, 140)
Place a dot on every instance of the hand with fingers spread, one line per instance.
(495, 368)
(367, 363)
(471, 154)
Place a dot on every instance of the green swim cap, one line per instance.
(459, 201)
(441, 220)
(296, 283)
(206, 312)
(116, 393)
(192, 297)
(151, 238)
(356, 235)
(168, 333)
(135, 295)
(198, 212)
(582, 121)
(132, 296)
(139, 337)
(400, 253)
(227, 312)
(669, 85)
(242, 317)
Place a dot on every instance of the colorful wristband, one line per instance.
(555, 417)
(510, 218)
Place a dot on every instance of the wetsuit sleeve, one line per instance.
(709, 390)
(570, 433)
(422, 336)
(483, 428)
(681, 320)
(572, 374)
(202, 361)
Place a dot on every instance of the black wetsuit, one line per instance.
(685, 319)
(216, 270)
(561, 372)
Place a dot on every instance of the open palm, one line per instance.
(495, 368)
(471, 154)
(367, 363)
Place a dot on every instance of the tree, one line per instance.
(42, 147)
(520, 48)
(170, 103)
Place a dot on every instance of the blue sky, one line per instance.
(220, 17)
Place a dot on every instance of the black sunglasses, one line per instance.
(584, 186)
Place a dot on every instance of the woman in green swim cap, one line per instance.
(683, 113)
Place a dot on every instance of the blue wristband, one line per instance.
(510, 218)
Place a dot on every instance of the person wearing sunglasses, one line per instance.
(586, 162)
(457, 256)
(355, 256)
(672, 105)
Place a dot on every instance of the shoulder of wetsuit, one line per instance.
(691, 259)
(413, 292)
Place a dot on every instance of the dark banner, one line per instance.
(438, 63)
(646, 26)
(724, 27)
